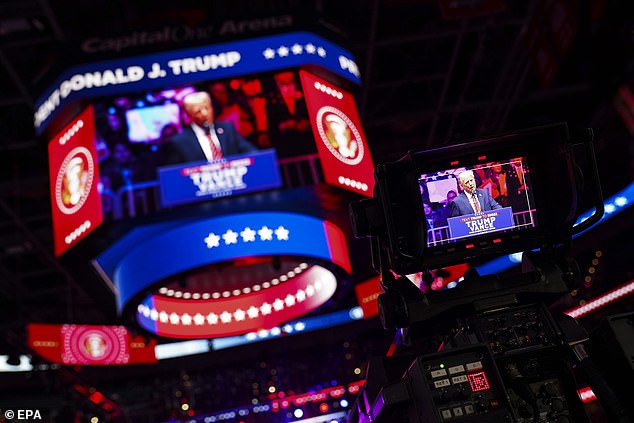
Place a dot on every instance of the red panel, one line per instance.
(367, 295)
(74, 174)
(341, 144)
(89, 345)
(337, 246)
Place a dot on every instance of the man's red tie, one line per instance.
(476, 203)
(216, 152)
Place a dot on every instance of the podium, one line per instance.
(480, 223)
(233, 175)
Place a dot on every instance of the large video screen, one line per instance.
(281, 129)
(268, 110)
(137, 133)
(488, 198)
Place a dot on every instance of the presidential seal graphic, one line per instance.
(340, 135)
(89, 344)
(74, 180)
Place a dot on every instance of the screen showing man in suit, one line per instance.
(474, 194)
(471, 199)
(205, 138)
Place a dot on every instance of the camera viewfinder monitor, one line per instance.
(509, 193)
(463, 203)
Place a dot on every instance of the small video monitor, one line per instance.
(464, 202)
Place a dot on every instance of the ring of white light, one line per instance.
(264, 309)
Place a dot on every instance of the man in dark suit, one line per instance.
(204, 138)
(471, 200)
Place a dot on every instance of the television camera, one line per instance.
(488, 349)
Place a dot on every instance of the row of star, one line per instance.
(296, 49)
(248, 235)
(226, 317)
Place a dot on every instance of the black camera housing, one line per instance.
(552, 197)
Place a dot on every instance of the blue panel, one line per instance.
(151, 259)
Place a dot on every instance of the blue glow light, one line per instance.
(356, 313)
(613, 205)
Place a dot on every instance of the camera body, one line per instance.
(516, 192)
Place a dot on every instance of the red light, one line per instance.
(497, 240)
(80, 388)
(234, 84)
(586, 395)
(478, 381)
(469, 246)
(323, 407)
(96, 397)
(190, 413)
(455, 162)
(482, 157)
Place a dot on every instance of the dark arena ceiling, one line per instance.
(433, 72)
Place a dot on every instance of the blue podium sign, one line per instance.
(230, 176)
(482, 223)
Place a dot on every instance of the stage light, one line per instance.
(356, 313)
(323, 407)
(343, 403)
(298, 413)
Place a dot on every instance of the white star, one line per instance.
(230, 237)
(253, 312)
(163, 317)
(310, 291)
(289, 300)
(212, 240)
(297, 49)
(154, 314)
(225, 317)
(281, 233)
(310, 48)
(321, 52)
(186, 319)
(269, 53)
(248, 235)
(174, 319)
(282, 51)
(239, 314)
(278, 304)
(265, 234)
(212, 318)
(300, 295)
(199, 319)
(265, 309)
